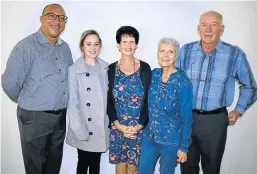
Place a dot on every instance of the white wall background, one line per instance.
(153, 20)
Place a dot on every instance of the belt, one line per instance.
(55, 112)
(215, 111)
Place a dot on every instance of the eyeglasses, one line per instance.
(52, 16)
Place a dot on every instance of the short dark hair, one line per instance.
(51, 5)
(85, 34)
(131, 31)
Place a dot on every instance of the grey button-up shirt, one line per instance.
(36, 74)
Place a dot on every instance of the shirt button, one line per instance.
(90, 133)
(88, 89)
(88, 104)
(89, 119)
(62, 81)
(64, 93)
(56, 58)
(87, 74)
(60, 70)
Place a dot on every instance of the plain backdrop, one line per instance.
(153, 20)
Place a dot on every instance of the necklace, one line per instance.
(134, 67)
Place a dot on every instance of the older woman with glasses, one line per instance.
(168, 132)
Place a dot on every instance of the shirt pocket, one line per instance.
(222, 69)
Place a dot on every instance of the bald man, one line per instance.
(36, 77)
(213, 66)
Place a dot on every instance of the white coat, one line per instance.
(87, 107)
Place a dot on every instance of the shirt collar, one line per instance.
(43, 39)
(219, 46)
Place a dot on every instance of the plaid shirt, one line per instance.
(213, 76)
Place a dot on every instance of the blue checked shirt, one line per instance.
(213, 76)
(36, 74)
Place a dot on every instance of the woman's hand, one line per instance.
(133, 130)
(120, 127)
(128, 131)
(182, 156)
(136, 128)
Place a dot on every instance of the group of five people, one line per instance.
(176, 113)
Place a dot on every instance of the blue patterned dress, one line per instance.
(128, 93)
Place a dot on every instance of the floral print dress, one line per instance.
(128, 94)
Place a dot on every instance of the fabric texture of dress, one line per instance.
(128, 94)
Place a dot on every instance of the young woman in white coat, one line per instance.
(88, 123)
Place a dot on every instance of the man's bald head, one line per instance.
(211, 12)
(50, 5)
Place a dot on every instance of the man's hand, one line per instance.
(233, 116)
(182, 156)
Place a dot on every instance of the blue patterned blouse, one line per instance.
(170, 110)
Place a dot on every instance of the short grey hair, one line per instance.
(213, 12)
(171, 41)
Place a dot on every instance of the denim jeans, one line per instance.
(150, 153)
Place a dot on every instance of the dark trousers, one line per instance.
(209, 136)
(89, 160)
(42, 135)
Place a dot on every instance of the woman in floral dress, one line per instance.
(129, 80)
